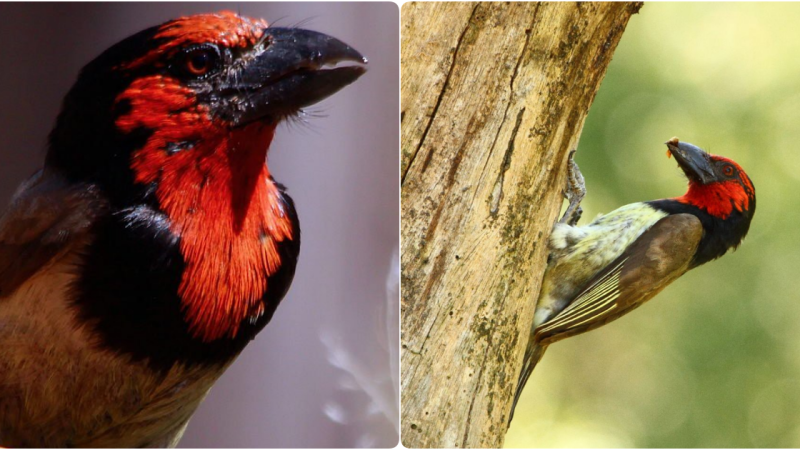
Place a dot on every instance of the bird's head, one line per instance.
(177, 119)
(185, 92)
(717, 185)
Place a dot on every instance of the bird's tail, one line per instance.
(532, 356)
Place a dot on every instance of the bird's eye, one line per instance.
(198, 62)
(728, 170)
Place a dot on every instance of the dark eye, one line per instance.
(197, 62)
(728, 170)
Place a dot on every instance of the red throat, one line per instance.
(216, 189)
(718, 199)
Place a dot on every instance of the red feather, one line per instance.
(220, 200)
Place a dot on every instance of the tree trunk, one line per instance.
(494, 95)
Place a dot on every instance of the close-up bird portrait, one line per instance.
(198, 245)
(598, 240)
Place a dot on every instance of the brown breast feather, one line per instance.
(57, 386)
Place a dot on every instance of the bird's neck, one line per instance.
(718, 199)
(230, 217)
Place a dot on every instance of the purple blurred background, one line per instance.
(342, 171)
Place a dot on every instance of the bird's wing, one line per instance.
(46, 215)
(654, 260)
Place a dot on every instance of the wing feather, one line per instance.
(598, 298)
(45, 217)
(655, 259)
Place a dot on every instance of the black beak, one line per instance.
(694, 161)
(292, 69)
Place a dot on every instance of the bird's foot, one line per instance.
(574, 192)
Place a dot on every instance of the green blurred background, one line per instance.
(714, 360)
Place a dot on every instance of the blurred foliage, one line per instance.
(714, 360)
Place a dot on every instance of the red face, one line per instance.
(716, 184)
(732, 189)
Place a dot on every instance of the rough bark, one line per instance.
(494, 95)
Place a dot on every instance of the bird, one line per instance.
(154, 244)
(599, 272)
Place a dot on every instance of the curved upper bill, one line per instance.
(694, 161)
(292, 68)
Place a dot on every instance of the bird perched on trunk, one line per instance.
(154, 244)
(598, 272)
